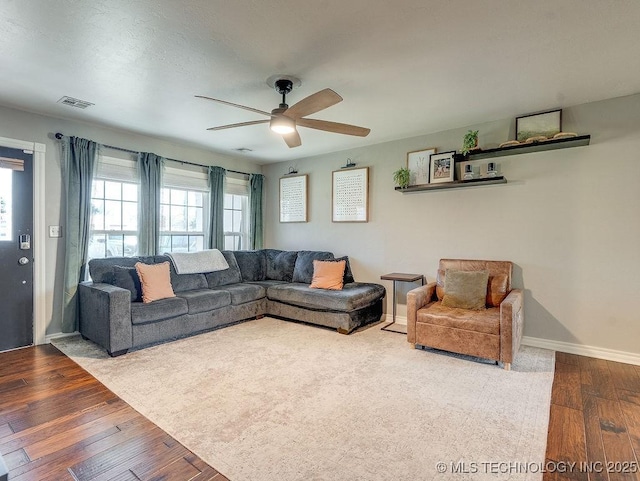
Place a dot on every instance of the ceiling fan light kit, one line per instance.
(284, 120)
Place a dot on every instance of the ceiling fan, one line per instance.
(285, 120)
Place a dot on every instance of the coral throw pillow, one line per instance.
(328, 275)
(155, 280)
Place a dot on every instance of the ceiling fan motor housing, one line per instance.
(283, 86)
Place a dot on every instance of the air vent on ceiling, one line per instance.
(70, 101)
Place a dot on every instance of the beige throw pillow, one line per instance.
(465, 289)
(328, 274)
(155, 280)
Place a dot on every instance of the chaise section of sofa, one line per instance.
(257, 283)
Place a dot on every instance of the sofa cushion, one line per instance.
(303, 270)
(155, 280)
(348, 275)
(228, 276)
(203, 300)
(465, 289)
(328, 275)
(280, 264)
(268, 283)
(487, 321)
(127, 278)
(252, 265)
(353, 296)
(182, 282)
(101, 270)
(142, 313)
(243, 293)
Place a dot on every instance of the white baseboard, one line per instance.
(59, 335)
(582, 350)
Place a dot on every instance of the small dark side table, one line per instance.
(399, 277)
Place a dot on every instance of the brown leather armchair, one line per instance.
(494, 333)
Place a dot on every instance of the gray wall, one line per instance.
(567, 218)
(36, 128)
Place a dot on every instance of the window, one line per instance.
(184, 209)
(182, 220)
(114, 210)
(236, 214)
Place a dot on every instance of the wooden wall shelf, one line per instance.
(453, 185)
(533, 147)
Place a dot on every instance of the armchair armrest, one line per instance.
(511, 324)
(416, 299)
(105, 316)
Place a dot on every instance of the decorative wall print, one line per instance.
(418, 165)
(293, 198)
(538, 127)
(442, 167)
(350, 195)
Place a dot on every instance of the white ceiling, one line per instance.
(404, 68)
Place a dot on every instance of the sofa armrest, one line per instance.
(416, 299)
(105, 316)
(511, 324)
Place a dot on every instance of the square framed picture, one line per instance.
(442, 167)
(537, 126)
(418, 165)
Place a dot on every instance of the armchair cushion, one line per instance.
(486, 321)
(465, 289)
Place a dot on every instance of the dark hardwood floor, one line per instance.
(594, 420)
(57, 422)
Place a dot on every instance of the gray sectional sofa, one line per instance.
(262, 282)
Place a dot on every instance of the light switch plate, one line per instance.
(55, 231)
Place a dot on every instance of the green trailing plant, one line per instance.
(469, 142)
(402, 177)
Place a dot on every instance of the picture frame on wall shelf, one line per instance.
(293, 198)
(540, 126)
(441, 167)
(350, 195)
(418, 165)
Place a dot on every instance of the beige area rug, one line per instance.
(271, 400)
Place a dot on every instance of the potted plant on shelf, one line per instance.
(469, 142)
(402, 177)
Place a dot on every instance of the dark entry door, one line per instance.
(16, 248)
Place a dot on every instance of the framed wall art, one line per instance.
(350, 195)
(418, 165)
(293, 198)
(537, 126)
(442, 167)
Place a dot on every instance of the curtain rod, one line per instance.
(59, 136)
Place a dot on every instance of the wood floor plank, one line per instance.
(615, 439)
(601, 380)
(624, 376)
(179, 469)
(5, 430)
(566, 386)
(593, 438)
(566, 442)
(631, 413)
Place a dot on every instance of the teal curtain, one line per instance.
(78, 161)
(255, 211)
(216, 207)
(150, 168)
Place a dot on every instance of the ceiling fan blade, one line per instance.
(235, 105)
(313, 103)
(335, 127)
(293, 139)
(241, 124)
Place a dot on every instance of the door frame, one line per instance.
(39, 229)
